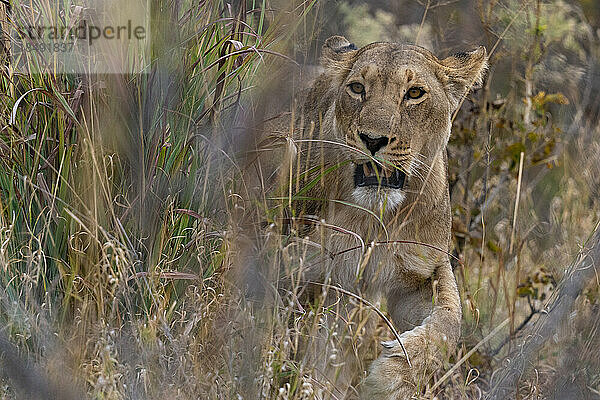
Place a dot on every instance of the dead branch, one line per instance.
(505, 380)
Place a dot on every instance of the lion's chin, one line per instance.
(378, 199)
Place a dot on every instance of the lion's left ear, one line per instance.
(462, 71)
(336, 51)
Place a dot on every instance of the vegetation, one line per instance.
(127, 238)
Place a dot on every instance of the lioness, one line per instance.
(370, 158)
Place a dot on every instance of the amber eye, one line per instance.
(357, 88)
(414, 93)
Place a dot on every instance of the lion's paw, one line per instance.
(390, 376)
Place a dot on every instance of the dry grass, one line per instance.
(134, 265)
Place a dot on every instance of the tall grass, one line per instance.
(125, 228)
(114, 203)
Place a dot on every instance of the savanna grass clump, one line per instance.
(115, 206)
(132, 255)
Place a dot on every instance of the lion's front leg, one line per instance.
(391, 376)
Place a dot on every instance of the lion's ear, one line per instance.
(336, 50)
(462, 71)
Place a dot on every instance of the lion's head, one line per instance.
(391, 106)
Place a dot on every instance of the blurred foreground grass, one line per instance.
(121, 197)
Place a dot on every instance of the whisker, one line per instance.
(419, 167)
(345, 146)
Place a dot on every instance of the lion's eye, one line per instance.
(414, 93)
(357, 88)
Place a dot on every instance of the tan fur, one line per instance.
(403, 275)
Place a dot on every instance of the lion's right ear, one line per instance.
(336, 51)
(462, 71)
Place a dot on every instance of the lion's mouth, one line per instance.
(369, 175)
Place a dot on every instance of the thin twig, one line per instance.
(422, 22)
(381, 243)
(336, 228)
(470, 353)
(517, 198)
(519, 328)
(372, 306)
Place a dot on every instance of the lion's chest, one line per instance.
(378, 267)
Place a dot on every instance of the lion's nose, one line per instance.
(373, 144)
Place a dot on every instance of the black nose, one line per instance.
(373, 144)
